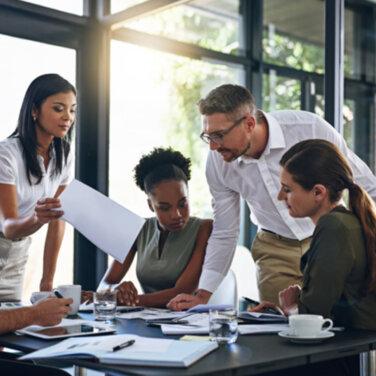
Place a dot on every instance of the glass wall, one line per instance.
(280, 93)
(155, 105)
(15, 77)
(211, 24)
(69, 6)
(119, 5)
(291, 37)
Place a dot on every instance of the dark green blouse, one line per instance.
(155, 272)
(335, 269)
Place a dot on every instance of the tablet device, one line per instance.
(64, 331)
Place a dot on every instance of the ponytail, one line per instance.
(363, 207)
(316, 161)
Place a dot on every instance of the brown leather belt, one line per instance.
(2, 236)
(271, 232)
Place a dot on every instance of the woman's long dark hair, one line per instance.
(313, 162)
(41, 88)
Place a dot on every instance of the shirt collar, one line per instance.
(276, 138)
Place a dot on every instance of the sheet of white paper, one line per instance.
(203, 327)
(262, 328)
(176, 330)
(108, 225)
(148, 314)
(198, 323)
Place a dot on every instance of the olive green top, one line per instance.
(335, 269)
(155, 272)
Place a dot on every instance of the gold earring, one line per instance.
(34, 118)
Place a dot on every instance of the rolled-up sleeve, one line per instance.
(7, 166)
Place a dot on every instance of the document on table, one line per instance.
(152, 314)
(143, 351)
(108, 225)
(199, 324)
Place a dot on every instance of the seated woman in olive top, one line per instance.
(340, 267)
(171, 246)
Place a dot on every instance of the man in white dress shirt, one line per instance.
(246, 145)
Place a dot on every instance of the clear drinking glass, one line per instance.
(223, 326)
(105, 305)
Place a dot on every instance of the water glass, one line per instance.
(105, 305)
(223, 326)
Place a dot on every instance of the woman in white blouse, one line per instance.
(35, 164)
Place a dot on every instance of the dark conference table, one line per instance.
(250, 355)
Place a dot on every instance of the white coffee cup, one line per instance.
(74, 292)
(309, 325)
(38, 295)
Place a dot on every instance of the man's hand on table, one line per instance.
(50, 311)
(186, 301)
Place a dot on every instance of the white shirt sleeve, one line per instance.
(7, 166)
(363, 176)
(223, 239)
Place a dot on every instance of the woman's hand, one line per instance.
(262, 307)
(289, 298)
(43, 213)
(127, 294)
(87, 296)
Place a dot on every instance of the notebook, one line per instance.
(144, 351)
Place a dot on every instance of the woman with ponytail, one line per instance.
(340, 266)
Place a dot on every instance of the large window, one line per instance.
(291, 37)
(15, 77)
(156, 105)
(69, 6)
(211, 24)
(162, 60)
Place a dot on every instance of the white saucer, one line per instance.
(294, 338)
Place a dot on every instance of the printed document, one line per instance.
(108, 225)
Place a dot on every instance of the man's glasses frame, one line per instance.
(218, 137)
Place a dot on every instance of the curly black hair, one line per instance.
(161, 164)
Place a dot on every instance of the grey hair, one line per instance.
(227, 99)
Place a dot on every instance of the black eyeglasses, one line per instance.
(217, 138)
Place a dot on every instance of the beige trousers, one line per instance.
(13, 258)
(277, 263)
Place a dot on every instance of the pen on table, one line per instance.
(266, 309)
(124, 345)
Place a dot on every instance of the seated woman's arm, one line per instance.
(328, 266)
(127, 293)
(188, 281)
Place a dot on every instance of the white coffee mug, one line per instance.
(309, 325)
(74, 292)
(38, 295)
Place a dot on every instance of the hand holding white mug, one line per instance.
(71, 291)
